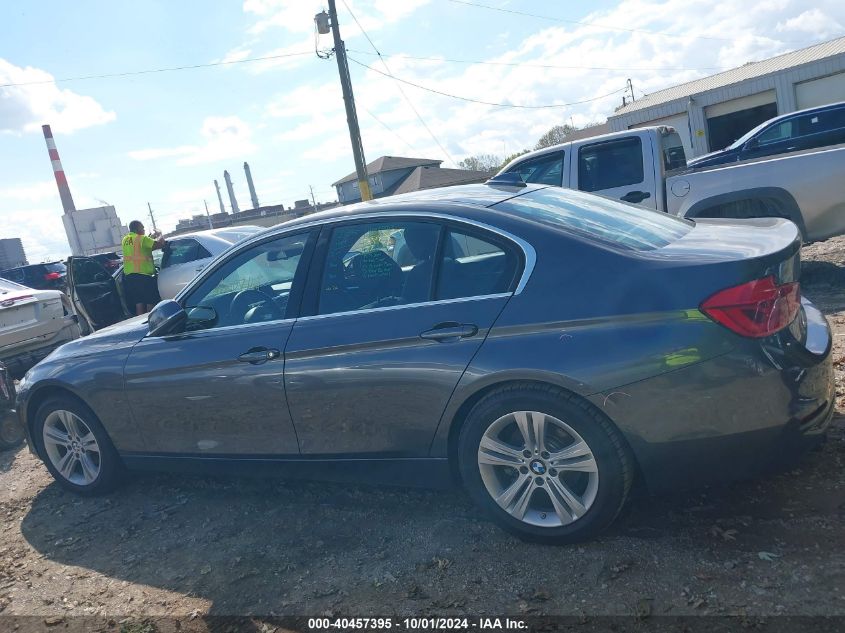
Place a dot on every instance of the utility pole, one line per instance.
(348, 99)
(208, 215)
(631, 87)
(313, 203)
(153, 218)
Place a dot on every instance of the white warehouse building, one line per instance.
(95, 230)
(712, 112)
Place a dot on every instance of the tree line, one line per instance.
(492, 162)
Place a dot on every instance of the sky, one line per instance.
(162, 137)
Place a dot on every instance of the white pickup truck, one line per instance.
(647, 166)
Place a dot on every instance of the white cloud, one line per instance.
(581, 61)
(34, 192)
(812, 21)
(42, 233)
(24, 108)
(225, 137)
(297, 19)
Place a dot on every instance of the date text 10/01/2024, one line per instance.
(417, 624)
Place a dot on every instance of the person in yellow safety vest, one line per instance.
(139, 271)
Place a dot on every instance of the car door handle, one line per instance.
(444, 332)
(258, 355)
(635, 196)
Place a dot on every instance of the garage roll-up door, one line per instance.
(818, 92)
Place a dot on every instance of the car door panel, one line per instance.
(173, 279)
(621, 168)
(94, 292)
(369, 383)
(218, 388)
(192, 393)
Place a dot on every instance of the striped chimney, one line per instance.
(58, 171)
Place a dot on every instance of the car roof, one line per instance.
(479, 196)
(222, 233)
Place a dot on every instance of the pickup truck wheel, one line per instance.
(76, 448)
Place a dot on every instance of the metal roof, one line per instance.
(424, 177)
(747, 71)
(389, 163)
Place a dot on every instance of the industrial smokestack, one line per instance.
(58, 171)
(231, 191)
(68, 219)
(251, 186)
(219, 197)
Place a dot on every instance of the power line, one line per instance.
(389, 129)
(605, 26)
(528, 65)
(489, 103)
(157, 70)
(390, 74)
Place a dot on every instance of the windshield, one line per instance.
(742, 140)
(615, 223)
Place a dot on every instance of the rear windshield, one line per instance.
(618, 224)
(57, 267)
(673, 152)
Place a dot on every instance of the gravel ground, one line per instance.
(174, 545)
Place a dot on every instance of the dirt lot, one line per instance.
(180, 545)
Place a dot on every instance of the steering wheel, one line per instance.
(246, 300)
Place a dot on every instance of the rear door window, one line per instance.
(362, 269)
(472, 265)
(183, 252)
(616, 163)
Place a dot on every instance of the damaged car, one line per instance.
(32, 324)
(543, 348)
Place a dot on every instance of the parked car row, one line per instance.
(547, 347)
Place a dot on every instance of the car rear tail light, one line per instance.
(51, 276)
(756, 309)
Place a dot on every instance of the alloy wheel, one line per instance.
(71, 447)
(538, 469)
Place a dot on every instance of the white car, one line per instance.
(32, 324)
(186, 255)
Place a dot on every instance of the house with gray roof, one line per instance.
(389, 175)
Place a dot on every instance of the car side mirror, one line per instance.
(751, 144)
(168, 317)
(200, 318)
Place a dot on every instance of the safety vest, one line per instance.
(138, 254)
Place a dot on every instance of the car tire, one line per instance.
(567, 486)
(11, 434)
(75, 447)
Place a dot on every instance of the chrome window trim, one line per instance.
(419, 304)
(528, 251)
(226, 328)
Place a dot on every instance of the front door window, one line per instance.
(254, 286)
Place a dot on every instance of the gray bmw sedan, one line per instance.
(543, 347)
